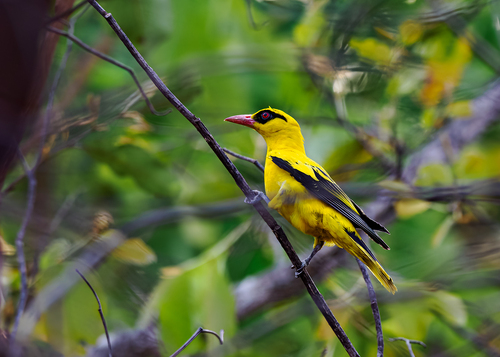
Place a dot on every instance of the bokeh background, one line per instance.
(398, 100)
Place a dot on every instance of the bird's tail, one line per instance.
(359, 249)
(380, 273)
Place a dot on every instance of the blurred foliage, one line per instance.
(369, 81)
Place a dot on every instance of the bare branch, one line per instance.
(100, 311)
(112, 61)
(240, 181)
(249, 159)
(30, 174)
(375, 310)
(21, 259)
(408, 343)
(485, 109)
(66, 13)
(198, 331)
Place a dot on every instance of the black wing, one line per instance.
(329, 192)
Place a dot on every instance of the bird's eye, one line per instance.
(265, 115)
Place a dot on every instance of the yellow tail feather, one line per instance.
(374, 266)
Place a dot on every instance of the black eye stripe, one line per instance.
(259, 117)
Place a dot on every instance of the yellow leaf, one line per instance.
(135, 251)
(410, 207)
(171, 272)
(450, 306)
(396, 186)
(434, 175)
(410, 31)
(442, 231)
(140, 124)
(478, 163)
(309, 30)
(372, 49)
(6, 248)
(459, 109)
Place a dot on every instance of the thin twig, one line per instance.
(198, 331)
(249, 159)
(30, 174)
(100, 312)
(408, 343)
(21, 259)
(112, 61)
(66, 13)
(374, 305)
(240, 181)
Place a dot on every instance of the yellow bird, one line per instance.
(303, 192)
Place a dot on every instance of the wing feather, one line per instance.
(325, 189)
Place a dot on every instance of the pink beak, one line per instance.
(245, 119)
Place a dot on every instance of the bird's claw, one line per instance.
(300, 270)
(258, 197)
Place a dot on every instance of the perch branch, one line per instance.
(408, 343)
(112, 61)
(240, 181)
(100, 311)
(241, 157)
(198, 331)
(362, 267)
(375, 310)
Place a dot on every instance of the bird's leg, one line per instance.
(316, 249)
(258, 197)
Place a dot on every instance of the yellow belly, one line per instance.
(313, 217)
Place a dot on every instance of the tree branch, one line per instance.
(375, 310)
(21, 259)
(408, 343)
(240, 181)
(241, 157)
(30, 173)
(66, 13)
(197, 332)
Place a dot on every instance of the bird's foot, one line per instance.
(258, 197)
(300, 270)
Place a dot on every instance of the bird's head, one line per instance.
(268, 122)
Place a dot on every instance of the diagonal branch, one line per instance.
(240, 181)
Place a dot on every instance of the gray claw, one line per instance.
(258, 197)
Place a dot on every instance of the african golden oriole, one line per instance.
(303, 192)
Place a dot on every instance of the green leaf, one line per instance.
(450, 306)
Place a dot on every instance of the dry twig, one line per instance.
(375, 310)
(30, 174)
(408, 343)
(197, 332)
(241, 157)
